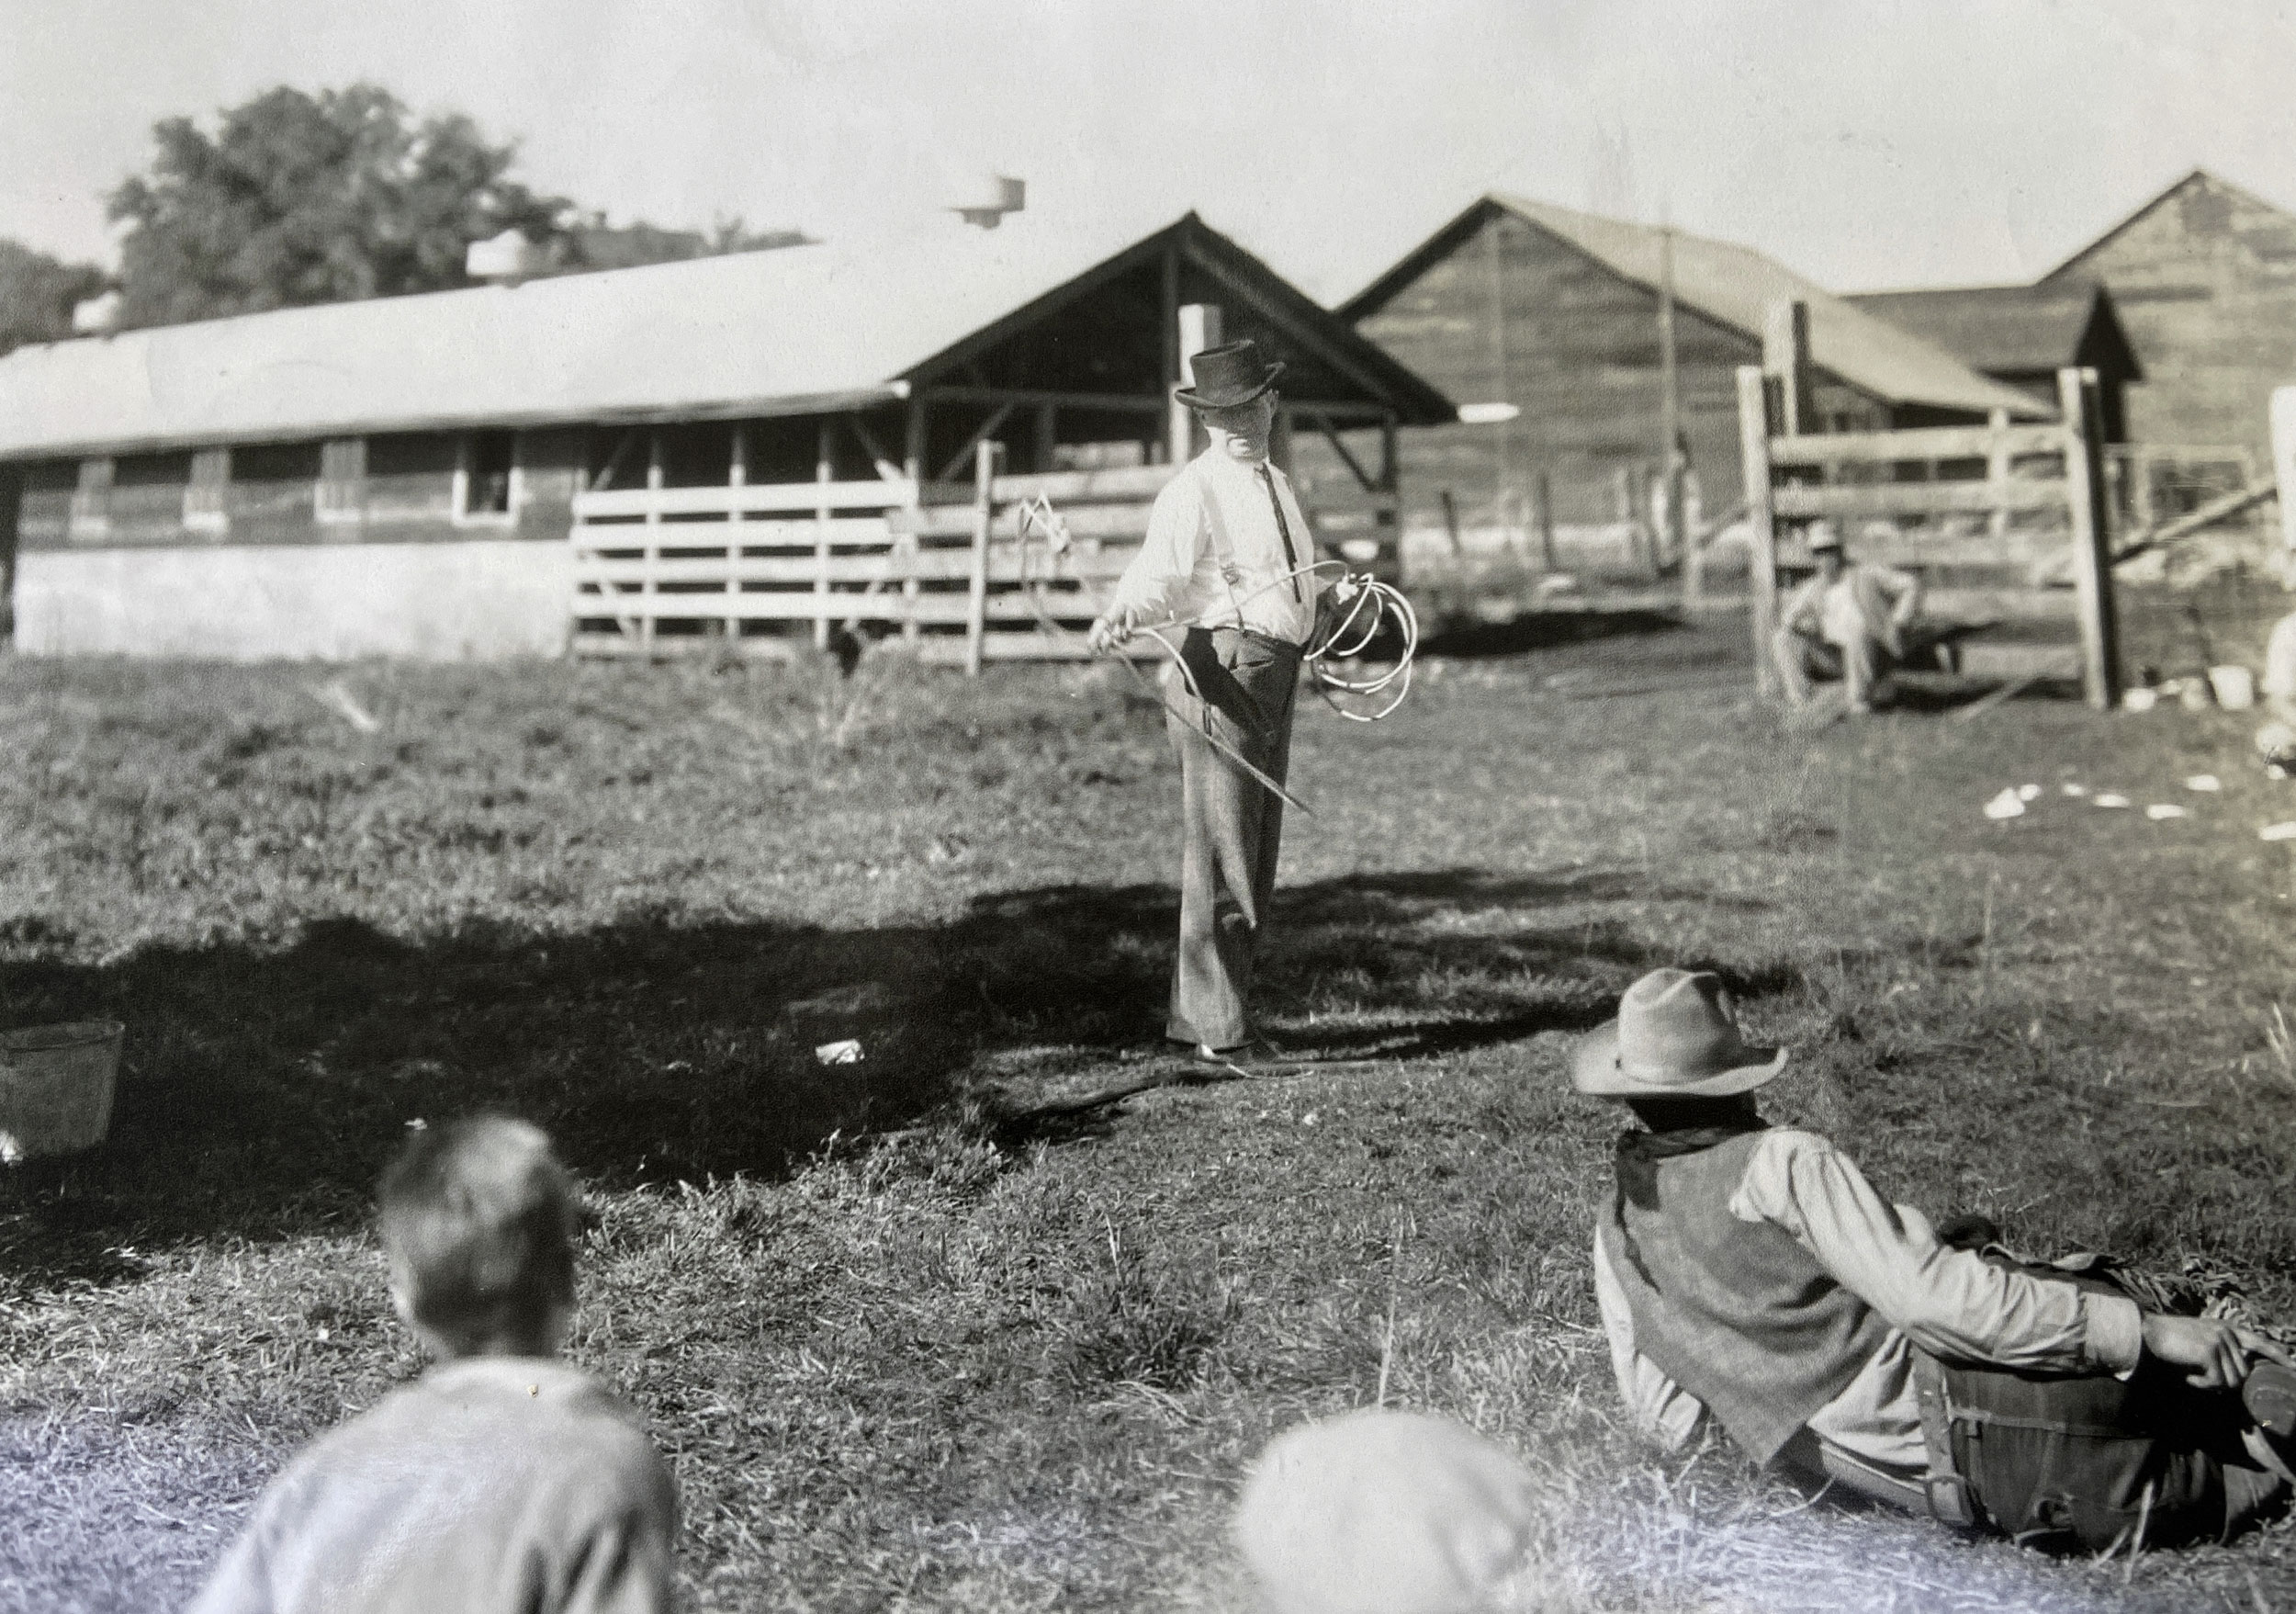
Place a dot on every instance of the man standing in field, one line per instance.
(1751, 1275)
(1228, 561)
(503, 1482)
(1849, 621)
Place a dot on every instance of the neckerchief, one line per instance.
(1637, 1164)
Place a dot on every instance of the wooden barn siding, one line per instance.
(1582, 364)
(2205, 286)
(409, 496)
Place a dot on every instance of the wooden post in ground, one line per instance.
(913, 467)
(2092, 539)
(1387, 521)
(1543, 519)
(983, 515)
(737, 475)
(1753, 443)
(2284, 461)
(1997, 476)
(647, 601)
(823, 471)
(1198, 328)
(1786, 358)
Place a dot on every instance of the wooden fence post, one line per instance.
(2092, 540)
(1542, 518)
(647, 588)
(2284, 461)
(1199, 329)
(1785, 355)
(1753, 443)
(1997, 476)
(983, 515)
(822, 471)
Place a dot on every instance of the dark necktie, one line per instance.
(1283, 528)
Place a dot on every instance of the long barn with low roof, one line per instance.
(401, 476)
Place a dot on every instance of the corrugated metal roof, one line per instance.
(822, 326)
(1735, 285)
(1996, 328)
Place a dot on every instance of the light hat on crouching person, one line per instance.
(1386, 1512)
(1822, 534)
(1676, 1037)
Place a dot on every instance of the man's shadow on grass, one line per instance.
(263, 1089)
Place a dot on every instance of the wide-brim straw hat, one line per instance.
(1675, 1037)
(1229, 374)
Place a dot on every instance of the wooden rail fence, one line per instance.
(2005, 523)
(947, 566)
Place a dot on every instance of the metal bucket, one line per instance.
(56, 1084)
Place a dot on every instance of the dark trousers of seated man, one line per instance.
(2067, 1462)
(1231, 824)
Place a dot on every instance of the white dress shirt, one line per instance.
(1949, 1302)
(1215, 556)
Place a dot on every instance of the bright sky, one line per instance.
(1882, 143)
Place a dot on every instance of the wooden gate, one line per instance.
(2005, 523)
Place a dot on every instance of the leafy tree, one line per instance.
(37, 293)
(299, 198)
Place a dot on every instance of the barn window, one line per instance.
(342, 478)
(486, 479)
(90, 522)
(203, 493)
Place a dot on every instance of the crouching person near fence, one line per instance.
(1751, 1275)
(1852, 621)
(503, 1480)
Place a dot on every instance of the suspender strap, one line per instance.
(1949, 1498)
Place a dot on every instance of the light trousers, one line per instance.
(1231, 825)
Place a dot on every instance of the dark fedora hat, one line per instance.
(1228, 375)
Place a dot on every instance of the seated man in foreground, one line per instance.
(1754, 1275)
(503, 1480)
(1849, 621)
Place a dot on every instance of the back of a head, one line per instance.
(1388, 1512)
(478, 1221)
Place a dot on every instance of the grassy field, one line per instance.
(931, 1331)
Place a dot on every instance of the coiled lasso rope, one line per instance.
(1368, 605)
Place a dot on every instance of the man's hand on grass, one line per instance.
(2215, 1354)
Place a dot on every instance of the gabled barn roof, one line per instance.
(2195, 185)
(2010, 328)
(1733, 286)
(798, 330)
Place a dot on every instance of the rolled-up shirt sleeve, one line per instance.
(1949, 1302)
(1659, 1409)
(1155, 584)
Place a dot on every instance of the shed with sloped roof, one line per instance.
(2024, 336)
(1550, 319)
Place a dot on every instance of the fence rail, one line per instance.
(952, 566)
(2023, 540)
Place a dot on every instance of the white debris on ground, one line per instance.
(2071, 789)
(2205, 782)
(2162, 809)
(2029, 792)
(2111, 798)
(2285, 831)
(847, 1051)
(2008, 804)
